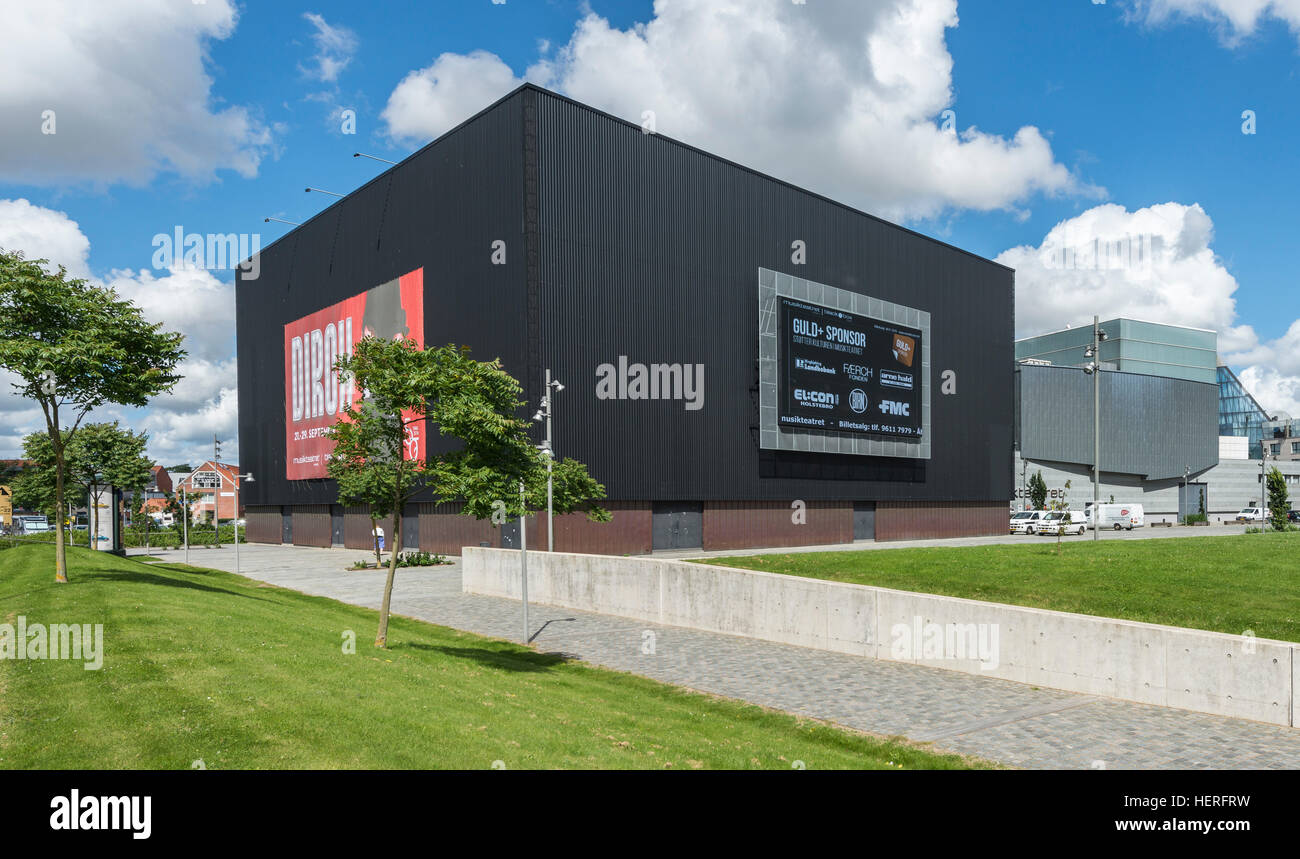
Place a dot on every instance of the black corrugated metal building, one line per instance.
(555, 236)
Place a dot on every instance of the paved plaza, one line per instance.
(1009, 722)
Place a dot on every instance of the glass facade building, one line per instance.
(1239, 413)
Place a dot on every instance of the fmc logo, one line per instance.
(892, 407)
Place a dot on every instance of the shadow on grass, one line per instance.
(147, 579)
(504, 660)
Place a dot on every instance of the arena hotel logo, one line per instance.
(902, 381)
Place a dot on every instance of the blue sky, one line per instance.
(1072, 120)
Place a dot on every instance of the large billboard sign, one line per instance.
(847, 373)
(314, 396)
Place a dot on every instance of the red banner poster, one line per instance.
(314, 396)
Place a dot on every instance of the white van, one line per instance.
(1251, 514)
(1055, 523)
(1120, 517)
(1027, 521)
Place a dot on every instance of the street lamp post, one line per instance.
(1093, 368)
(523, 554)
(216, 514)
(1263, 480)
(544, 414)
(185, 522)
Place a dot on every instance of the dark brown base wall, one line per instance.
(356, 529)
(311, 525)
(931, 520)
(727, 525)
(444, 530)
(628, 533)
(759, 524)
(263, 524)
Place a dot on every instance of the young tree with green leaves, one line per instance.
(33, 486)
(1038, 491)
(1279, 502)
(1062, 505)
(103, 455)
(74, 347)
(407, 388)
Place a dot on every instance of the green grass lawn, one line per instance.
(205, 665)
(1223, 584)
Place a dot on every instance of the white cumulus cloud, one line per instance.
(1156, 264)
(845, 97)
(1236, 19)
(124, 87)
(334, 49)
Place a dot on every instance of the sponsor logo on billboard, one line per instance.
(890, 379)
(858, 400)
(893, 407)
(816, 399)
(903, 348)
(858, 373)
(315, 396)
(813, 366)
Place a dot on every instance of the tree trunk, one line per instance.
(60, 549)
(381, 639)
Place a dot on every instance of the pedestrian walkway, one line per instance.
(1009, 722)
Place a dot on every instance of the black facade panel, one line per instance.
(441, 210)
(1151, 426)
(623, 243)
(651, 249)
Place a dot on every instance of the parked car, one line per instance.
(1119, 517)
(1027, 521)
(1251, 515)
(1293, 516)
(1063, 522)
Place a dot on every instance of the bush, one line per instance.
(1195, 518)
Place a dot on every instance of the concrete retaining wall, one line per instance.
(1209, 672)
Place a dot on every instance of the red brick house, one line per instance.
(210, 488)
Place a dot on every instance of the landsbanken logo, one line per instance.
(651, 382)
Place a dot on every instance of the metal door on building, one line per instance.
(1192, 499)
(411, 531)
(677, 525)
(336, 525)
(510, 534)
(864, 520)
(286, 524)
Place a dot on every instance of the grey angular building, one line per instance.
(1167, 427)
